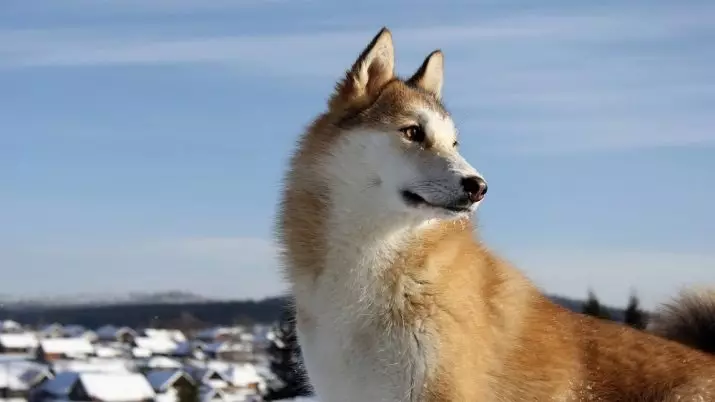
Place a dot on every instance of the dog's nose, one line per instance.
(475, 187)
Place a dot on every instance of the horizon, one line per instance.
(144, 143)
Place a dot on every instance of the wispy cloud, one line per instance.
(97, 46)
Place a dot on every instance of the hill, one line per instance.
(150, 312)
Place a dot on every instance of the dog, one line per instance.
(397, 299)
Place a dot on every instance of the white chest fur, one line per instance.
(350, 356)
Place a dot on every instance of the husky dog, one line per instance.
(396, 299)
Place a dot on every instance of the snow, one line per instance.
(171, 334)
(162, 362)
(23, 340)
(93, 365)
(111, 387)
(67, 346)
(156, 345)
(107, 387)
(243, 375)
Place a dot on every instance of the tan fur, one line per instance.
(495, 336)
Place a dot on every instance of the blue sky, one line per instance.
(142, 143)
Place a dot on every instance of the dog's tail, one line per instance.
(688, 319)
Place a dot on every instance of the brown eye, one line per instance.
(414, 133)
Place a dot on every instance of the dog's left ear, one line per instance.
(430, 75)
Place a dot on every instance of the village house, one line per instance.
(189, 350)
(229, 351)
(208, 394)
(218, 334)
(51, 349)
(208, 376)
(174, 334)
(110, 333)
(17, 378)
(18, 343)
(156, 346)
(11, 327)
(168, 384)
(98, 386)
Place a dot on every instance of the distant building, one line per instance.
(18, 343)
(168, 384)
(98, 386)
(51, 349)
(110, 333)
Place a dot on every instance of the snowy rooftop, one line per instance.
(67, 346)
(107, 387)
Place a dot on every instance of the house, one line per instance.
(98, 386)
(245, 377)
(159, 363)
(208, 376)
(173, 334)
(189, 350)
(217, 334)
(228, 350)
(93, 365)
(53, 330)
(110, 333)
(168, 384)
(208, 394)
(157, 346)
(51, 349)
(17, 378)
(78, 331)
(108, 351)
(16, 343)
(10, 327)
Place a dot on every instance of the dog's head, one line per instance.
(392, 147)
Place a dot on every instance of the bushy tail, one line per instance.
(688, 319)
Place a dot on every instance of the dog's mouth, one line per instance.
(416, 200)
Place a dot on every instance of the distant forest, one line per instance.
(158, 315)
(188, 315)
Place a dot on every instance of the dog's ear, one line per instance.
(374, 68)
(430, 75)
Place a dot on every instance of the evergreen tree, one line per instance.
(286, 360)
(634, 316)
(593, 307)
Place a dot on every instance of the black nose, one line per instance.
(475, 187)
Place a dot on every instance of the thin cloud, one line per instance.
(96, 47)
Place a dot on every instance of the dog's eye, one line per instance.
(413, 133)
(455, 144)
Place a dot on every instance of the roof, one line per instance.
(212, 333)
(202, 374)
(10, 325)
(92, 365)
(108, 387)
(20, 375)
(242, 375)
(156, 344)
(172, 334)
(112, 332)
(160, 380)
(162, 362)
(208, 393)
(67, 346)
(21, 340)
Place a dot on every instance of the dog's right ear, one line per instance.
(374, 68)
